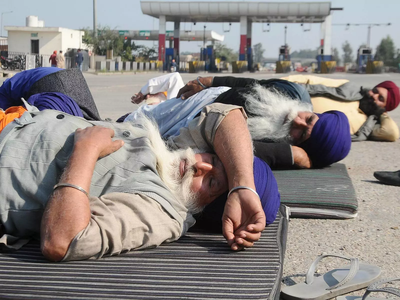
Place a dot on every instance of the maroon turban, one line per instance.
(393, 97)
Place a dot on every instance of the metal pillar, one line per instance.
(95, 18)
(161, 37)
(176, 40)
(249, 52)
(243, 37)
(326, 36)
(249, 34)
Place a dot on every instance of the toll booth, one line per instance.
(283, 64)
(169, 56)
(207, 55)
(323, 60)
(364, 55)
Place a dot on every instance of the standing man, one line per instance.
(60, 60)
(173, 66)
(52, 59)
(79, 60)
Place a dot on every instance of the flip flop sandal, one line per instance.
(333, 283)
(375, 287)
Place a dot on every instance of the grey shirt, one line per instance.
(131, 208)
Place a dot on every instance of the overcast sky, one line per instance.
(127, 15)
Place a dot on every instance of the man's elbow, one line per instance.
(54, 250)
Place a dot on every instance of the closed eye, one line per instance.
(310, 119)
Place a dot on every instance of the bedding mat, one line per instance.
(318, 193)
(198, 266)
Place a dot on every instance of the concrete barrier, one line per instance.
(127, 65)
(134, 66)
(239, 66)
(196, 66)
(328, 67)
(283, 66)
(100, 65)
(110, 65)
(374, 67)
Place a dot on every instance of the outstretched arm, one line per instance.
(170, 83)
(243, 219)
(68, 210)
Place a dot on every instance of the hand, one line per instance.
(243, 219)
(300, 158)
(138, 98)
(97, 138)
(193, 87)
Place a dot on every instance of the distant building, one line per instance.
(34, 38)
(3, 44)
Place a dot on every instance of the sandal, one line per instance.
(333, 283)
(374, 287)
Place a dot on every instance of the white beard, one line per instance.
(271, 113)
(168, 163)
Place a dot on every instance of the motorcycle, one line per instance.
(9, 63)
(20, 61)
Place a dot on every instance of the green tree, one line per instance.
(336, 56)
(386, 52)
(145, 54)
(258, 53)
(304, 53)
(347, 52)
(224, 53)
(108, 39)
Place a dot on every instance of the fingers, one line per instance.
(116, 145)
(258, 226)
(248, 236)
(227, 231)
(182, 91)
(242, 243)
(188, 94)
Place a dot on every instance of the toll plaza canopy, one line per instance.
(244, 12)
(204, 11)
(187, 35)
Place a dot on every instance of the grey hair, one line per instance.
(271, 113)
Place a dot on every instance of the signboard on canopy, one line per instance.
(144, 33)
(123, 32)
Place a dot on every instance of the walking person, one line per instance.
(52, 59)
(79, 59)
(60, 60)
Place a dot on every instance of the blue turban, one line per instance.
(330, 139)
(19, 85)
(291, 89)
(267, 189)
(56, 101)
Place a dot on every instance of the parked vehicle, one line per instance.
(10, 63)
(21, 61)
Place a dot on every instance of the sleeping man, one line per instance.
(279, 111)
(89, 189)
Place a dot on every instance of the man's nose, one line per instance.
(373, 95)
(299, 122)
(202, 168)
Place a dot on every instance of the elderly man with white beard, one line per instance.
(279, 111)
(89, 189)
